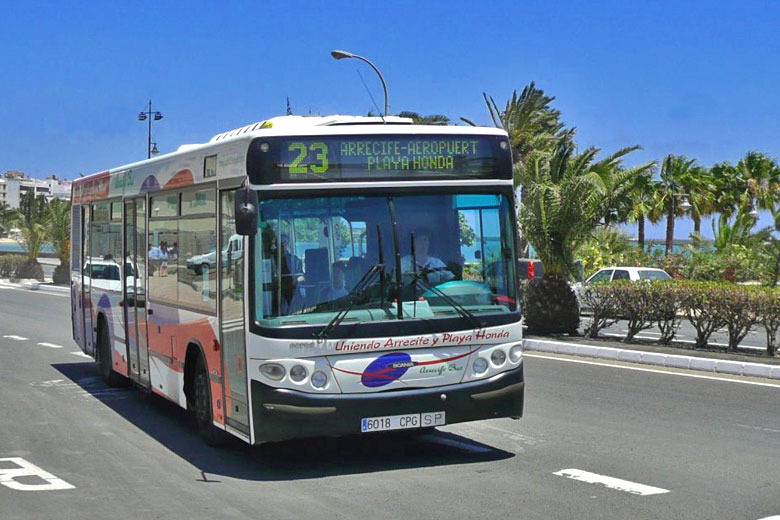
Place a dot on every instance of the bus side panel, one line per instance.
(171, 330)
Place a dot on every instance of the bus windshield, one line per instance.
(320, 256)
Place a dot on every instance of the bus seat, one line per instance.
(316, 261)
(354, 271)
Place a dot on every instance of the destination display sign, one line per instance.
(375, 157)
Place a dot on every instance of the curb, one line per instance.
(32, 285)
(654, 358)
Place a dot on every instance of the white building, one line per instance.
(14, 184)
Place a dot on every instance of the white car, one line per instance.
(627, 273)
(607, 274)
(200, 264)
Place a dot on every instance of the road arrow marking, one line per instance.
(610, 482)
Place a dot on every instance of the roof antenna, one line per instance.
(371, 96)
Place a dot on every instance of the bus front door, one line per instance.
(231, 322)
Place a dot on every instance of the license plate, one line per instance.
(401, 422)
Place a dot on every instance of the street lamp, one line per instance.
(340, 55)
(150, 115)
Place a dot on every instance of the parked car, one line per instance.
(627, 273)
(607, 274)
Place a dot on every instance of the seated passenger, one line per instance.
(337, 289)
(428, 268)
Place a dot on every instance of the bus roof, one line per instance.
(168, 170)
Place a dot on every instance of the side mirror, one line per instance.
(246, 212)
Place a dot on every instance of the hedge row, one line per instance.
(709, 306)
(17, 267)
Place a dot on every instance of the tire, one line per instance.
(105, 359)
(201, 406)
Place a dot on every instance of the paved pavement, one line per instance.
(597, 441)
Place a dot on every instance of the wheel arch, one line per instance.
(194, 351)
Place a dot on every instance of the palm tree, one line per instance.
(6, 218)
(567, 195)
(675, 171)
(754, 183)
(433, 119)
(640, 203)
(31, 221)
(533, 126)
(57, 226)
(699, 189)
(759, 179)
(530, 121)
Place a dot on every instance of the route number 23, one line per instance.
(320, 151)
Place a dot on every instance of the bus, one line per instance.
(307, 276)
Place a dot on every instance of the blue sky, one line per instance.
(694, 78)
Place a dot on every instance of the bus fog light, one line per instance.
(319, 379)
(273, 371)
(516, 353)
(498, 357)
(297, 373)
(480, 365)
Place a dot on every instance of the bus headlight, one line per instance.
(273, 371)
(516, 353)
(498, 357)
(319, 379)
(297, 373)
(480, 365)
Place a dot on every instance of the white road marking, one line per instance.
(81, 354)
(775, 517)
(16, 338)
(610, 482)
(640, 369)
(48, 293)
(23, 468)
(50, 345)
(759, 428)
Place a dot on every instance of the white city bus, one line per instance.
(307, 276)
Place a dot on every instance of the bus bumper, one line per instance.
(281, 414)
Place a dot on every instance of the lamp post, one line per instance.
(150, 115)
(340, 55)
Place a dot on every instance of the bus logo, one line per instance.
(386, 369)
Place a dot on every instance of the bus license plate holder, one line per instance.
(402, 422)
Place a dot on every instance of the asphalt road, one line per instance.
(702, 447)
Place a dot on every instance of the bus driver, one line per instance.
(429, 268)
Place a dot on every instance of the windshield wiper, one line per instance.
(360, 288)
(464, 312)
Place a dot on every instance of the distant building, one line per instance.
(14, 184)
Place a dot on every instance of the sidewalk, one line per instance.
(713, 361)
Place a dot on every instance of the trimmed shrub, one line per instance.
(599, 298)
(9, 264)
(665, 308)
(699, 302)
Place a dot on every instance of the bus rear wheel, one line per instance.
(201, 407)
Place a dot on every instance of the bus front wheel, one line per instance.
(201, 390)
(105, 358)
